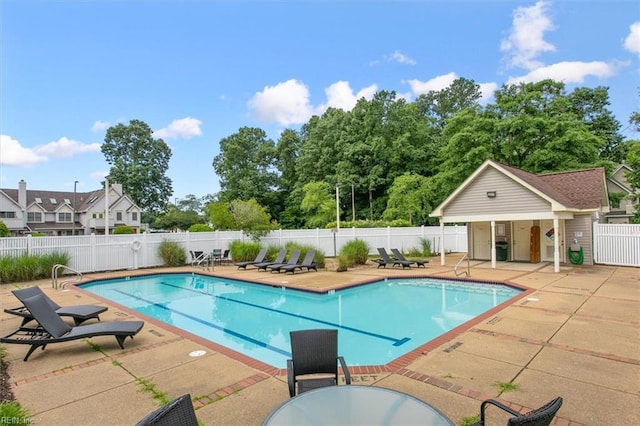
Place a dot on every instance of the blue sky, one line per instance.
(197, 71)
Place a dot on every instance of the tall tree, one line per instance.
(139, 163)
(246, 167)
(318, 204)
(409, 198)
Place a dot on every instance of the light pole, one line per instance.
(73, 207)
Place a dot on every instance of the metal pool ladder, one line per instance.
(468, 271)
(54, 275)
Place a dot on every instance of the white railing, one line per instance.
(91, 253)
(616, 244)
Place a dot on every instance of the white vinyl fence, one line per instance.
(92, 253)
(616, 244)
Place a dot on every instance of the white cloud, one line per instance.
(341, 95)
(285, 103)
(632, 42)
(100, 126)
(14, 154)
(184, 128)
(65, 147)
(487, 90)
(567, 72)
(400, 58)
(526, 40)
(435, 84)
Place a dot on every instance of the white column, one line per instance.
(493, 244)
(556, 245)
(443, 261)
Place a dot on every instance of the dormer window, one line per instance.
(38, 200)
(53, 201)
(67, 201)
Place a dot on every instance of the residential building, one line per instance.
(617, 184)
(67, 213)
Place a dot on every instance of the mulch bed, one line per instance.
(6, 395)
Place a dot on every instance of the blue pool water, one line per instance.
(377, 322)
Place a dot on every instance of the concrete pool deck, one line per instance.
(576, 334)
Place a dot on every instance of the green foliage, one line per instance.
(175, 219)
(123, 229)
(304, 248)
(318, 204)
(425, 246)
(354, 252)
(13, 411)
(4, 230)
(246, 166)
(221, 217)
(37, 234)
(200, 227)
(409, 198)
(139, 162)
(244, 251)
(30, 268)
(615, 198)
(396, 223)
(470, 420)
(251, 218)
(506, 386)
(172, 253)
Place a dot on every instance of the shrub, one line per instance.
(4, 230)
(13, 411)
(200, 227)
(304, 248)
(244, 251)
(29, 268)
(355, 252)
(123, 229)
(172, 253)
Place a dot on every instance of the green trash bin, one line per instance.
(501, 250)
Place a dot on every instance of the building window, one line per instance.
(119, 216)
(7, 215)
(64, 217)
(97, 216)
(134, 216)
(34, 217)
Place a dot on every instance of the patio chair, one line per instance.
(79, 313)
(262, 266)
(314, 352)
(539, 417)
(216, 256)
(385, 260)
(293, 260)
(52, 329)
(178, 412)
(226, 256)
(308, 262)
(398, 254)
(259, 259)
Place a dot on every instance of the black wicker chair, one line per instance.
(539, 417)
(314, 352)
(178, 412)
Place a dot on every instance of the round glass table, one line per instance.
(355, 405)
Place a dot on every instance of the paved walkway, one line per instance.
(575, 333)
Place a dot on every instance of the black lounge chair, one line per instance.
(79, 313)
(314, 352)
(259, 259)
(262, 266)
(52, 329)
(178, 412)
(293, 260)
(307, 262)
(398, 254)
(385, 260)
(539, 417)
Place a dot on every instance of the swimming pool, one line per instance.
(377, 322)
